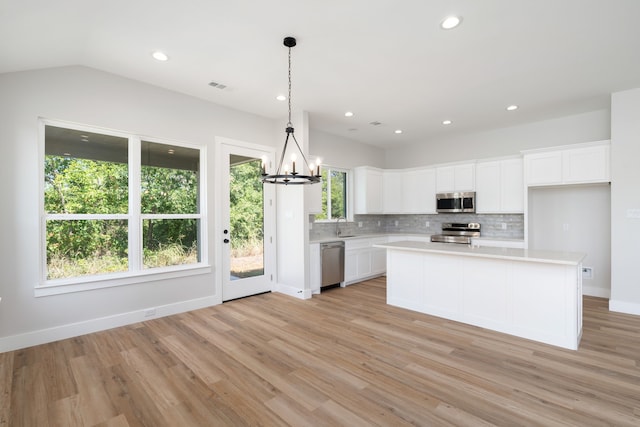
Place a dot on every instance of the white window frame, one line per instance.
(349, 189)
(136, 272)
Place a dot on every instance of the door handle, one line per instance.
(226, 240)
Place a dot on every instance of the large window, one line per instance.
(114, 203)
(334, 194)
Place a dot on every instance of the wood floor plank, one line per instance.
(344, 357)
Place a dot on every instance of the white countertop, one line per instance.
(542, 256)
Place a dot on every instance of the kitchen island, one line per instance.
(531, 294)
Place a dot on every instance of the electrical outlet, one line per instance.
(565, 227)
(310, 226)
(587, 272)
(426, 224)
(360, 224)
(504, 225)
(396, 222)
(378, 223)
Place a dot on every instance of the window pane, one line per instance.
(338, 194)
(170, 242)
(84, 247)
(169, 179)
(325, 207)
(85, 172)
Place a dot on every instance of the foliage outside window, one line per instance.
(334, 194)
(246, 218)
(108, 211)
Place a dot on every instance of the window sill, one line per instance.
(89, 283)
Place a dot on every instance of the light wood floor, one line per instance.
(341, 358)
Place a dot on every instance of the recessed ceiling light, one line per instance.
(446, 122)
(348, 114)
(160, 56)
(281, 98)
(450, 22)
(512, 107)
(398, 131)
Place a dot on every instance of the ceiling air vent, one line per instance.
(217, 85)
(376, 123)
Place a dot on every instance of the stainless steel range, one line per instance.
(456, 232)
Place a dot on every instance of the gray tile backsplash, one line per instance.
(491, 225)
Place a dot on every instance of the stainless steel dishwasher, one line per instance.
(332, 257)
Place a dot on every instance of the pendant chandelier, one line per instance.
(310, 174)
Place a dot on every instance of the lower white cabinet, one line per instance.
(362, 260)
(315, 271)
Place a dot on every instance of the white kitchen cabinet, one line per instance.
(368, 189)
(315, 271)
(419, 191)
(350, 266)
(499, 186)
(362, 260)
(313, 198)
(455, 178)
(512, 185)
(588, 164)
(392, 192)
(577, 164)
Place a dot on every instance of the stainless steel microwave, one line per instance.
(456, 202)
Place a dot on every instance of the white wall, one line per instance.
(575, 218)
(87, 96)
(586, 127)
(625, 201)
(343, 153)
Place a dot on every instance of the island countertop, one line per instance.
(515, 254)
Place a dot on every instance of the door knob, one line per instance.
(226, 240)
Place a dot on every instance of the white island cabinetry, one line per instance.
(531, 294)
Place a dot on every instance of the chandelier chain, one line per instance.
(289, 95)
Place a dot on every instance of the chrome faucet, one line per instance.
(338, 232)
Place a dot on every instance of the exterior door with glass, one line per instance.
(248, 224)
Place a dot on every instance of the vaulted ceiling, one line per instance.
(387, 61)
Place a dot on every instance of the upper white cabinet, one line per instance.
(392, 191)
(367, 190)
(455, 178)
(499, 186)
(589, 164)
(313, 198)
(579, 164)
(419, 191)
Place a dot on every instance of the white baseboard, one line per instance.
(293, 292)
(71, 330)
(624, 307)
(593, 291)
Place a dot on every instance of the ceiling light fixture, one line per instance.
(160, 56)
(512, 107)
(446, 122)
(348, 114)
(282, 174)
(281, 98)
(450, 22)
(398, 131)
